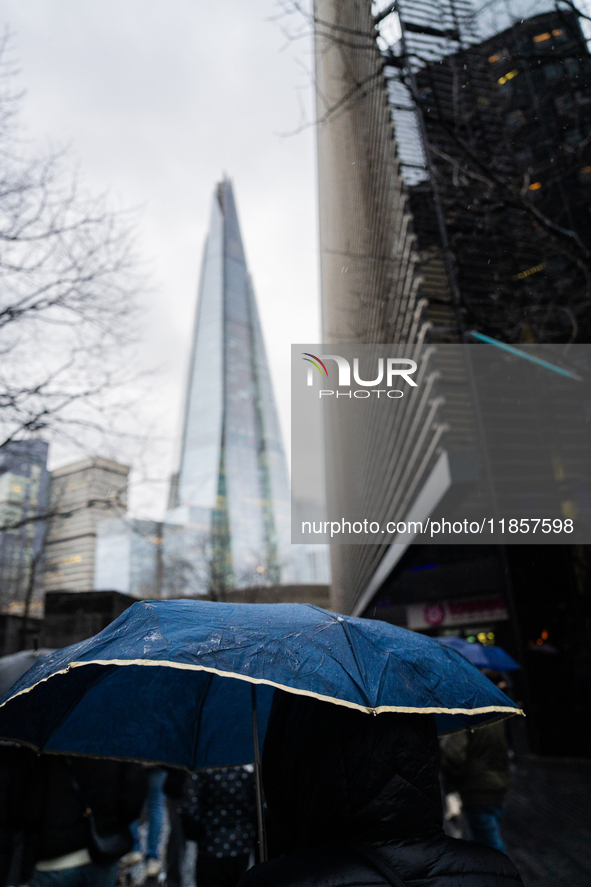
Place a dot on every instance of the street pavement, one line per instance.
(547, 823)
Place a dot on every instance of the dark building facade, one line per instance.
(70, 618)
(508, 121)
(481, 224)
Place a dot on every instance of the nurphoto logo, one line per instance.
(395, 367)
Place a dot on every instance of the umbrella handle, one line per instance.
(258, 778)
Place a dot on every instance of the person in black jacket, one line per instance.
(476, 765)
(342, 785)
(48, 832)
(17, 840)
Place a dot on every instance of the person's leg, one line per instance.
(175, 849)
(155, 812)
(135, 854)
(134, 828)
(484, 824)
(220, 871)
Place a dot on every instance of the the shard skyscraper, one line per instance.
(233, 478)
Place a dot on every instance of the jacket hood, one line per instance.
(336, 774)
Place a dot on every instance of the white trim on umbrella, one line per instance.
(401, 709)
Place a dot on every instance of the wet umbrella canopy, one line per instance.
(13, 666)
(481, 655)
(170, 681)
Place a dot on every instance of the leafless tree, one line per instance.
(68, 276)
(186, 563)
(197, 564)
(20, 581)
(68, 282)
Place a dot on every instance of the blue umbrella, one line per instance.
(482, 655)
(169, 681)
(177, 682)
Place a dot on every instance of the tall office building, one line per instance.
(24, 482)
(82, 495)
(233, 474)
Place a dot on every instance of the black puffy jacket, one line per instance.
(42, 813)
(335, 777)
(115, 792)
(18, 845)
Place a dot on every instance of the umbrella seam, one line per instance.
(345, 629)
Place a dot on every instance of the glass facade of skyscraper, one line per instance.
(232, 459)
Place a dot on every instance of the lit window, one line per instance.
(493, 58)
(539, 38)
(260, 569)
(557, 32)
(535, 186)
(16, 488)
(508, 76)
(586, 170)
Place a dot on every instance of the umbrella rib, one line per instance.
(198, 721)
(345, 628)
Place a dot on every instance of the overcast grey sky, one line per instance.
(157, 100)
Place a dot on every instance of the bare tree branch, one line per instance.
(68, 284)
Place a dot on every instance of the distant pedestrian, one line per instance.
(219, 813)
(153, 815)
(355, 800)
(476, 765)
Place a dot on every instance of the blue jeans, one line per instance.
(93, 874)
(154, 809)
(484, 825)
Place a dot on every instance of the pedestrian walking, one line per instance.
(355, 800)
(153, 815)
(476, 765)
